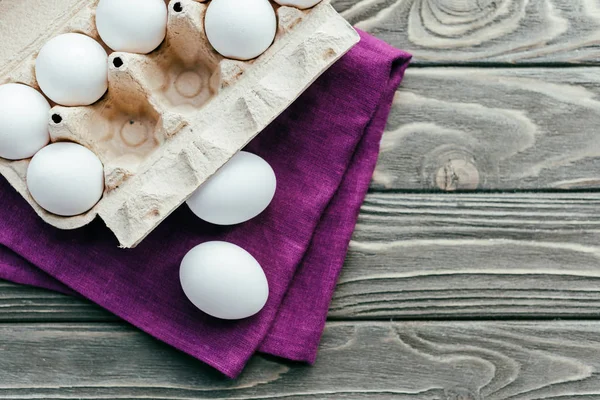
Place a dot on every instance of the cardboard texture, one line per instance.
(172, 118)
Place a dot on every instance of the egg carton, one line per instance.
(172, 118)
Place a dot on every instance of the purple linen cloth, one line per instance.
(323, 150)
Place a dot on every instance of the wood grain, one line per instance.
(24, 303)
(471, 128)
(422, 360)
(473, 256)
(413, 256)
(483, 31)
(420, 256)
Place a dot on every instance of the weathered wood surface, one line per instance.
(483, 31)
(20, 303)
(419, 256)
(369, 360)
(473, 256)
(472, 128)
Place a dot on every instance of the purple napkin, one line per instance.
(323, 150)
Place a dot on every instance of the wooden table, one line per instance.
(489, 293)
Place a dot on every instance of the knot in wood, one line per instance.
(457, 174)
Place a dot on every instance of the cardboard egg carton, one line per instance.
(172, 118)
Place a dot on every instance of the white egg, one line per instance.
(72, 70)
(238, 192)
(240, 29)
(224, 280)
(134, 26)
(302, 4)
(65, 179)
(23, 121)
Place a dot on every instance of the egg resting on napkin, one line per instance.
(323, 149)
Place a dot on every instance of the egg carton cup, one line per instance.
(172, 118)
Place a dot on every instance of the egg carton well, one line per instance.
(172, 118)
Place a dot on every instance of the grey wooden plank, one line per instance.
(416, 360)
(483, 31)
(419, 256)
(24, 303)
(473, 128)
(473, 256)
